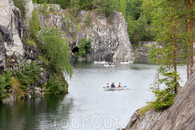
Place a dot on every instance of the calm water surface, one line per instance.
(87, 106)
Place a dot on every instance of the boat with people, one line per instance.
(126, 62)
(109, 64)
(113, 87)
(100, 62)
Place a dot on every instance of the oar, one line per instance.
(125, 86)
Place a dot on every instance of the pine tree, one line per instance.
(74, 4)
(122, 7)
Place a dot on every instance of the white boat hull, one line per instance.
(129, 62)
(99, 62)
(113, 89)
(109, 65)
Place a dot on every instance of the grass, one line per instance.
(145, 109)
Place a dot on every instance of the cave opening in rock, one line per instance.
(75, 49)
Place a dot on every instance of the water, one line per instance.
(87, 106)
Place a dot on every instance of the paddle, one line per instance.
(125, 86)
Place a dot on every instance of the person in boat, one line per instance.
(106, 63)
(126, 60)
(112, 63)
(109, 63)
(112, 85)
(107, 85)
(119, 85)
(99, 60)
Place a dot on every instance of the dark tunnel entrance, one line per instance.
(75, 49)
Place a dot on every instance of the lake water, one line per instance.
(87, 106)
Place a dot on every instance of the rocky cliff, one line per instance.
(110, 40)
(180, 116)
(14, 51)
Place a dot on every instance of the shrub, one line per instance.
(84, 47)
(34, 24)
(8, 78)
(44, 7)
(27, 73)
(55, 49)
(51, 9)
(3, 84)
(55, 85)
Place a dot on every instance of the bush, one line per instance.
(8, 78)
(165, 102)
(27, 73)
(55, 85)
(55, 49)
(34, 24)
(44, 7)
(3, 84)
(84, 47)
(51, 9)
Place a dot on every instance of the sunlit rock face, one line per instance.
(12, 32)
(180, 116)
(110, 40)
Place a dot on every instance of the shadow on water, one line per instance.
(34, 113)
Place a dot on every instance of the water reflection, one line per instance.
(35, 113)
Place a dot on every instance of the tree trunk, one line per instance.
(186, 6)
(191, 39)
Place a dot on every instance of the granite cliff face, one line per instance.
(180, 116)
(110, 41)
(13, 51)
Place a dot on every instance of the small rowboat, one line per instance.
(99, 62)
(105, 65)
(115, 88)
(124, 62)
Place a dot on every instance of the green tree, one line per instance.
(74, 4)
(147, 8)
(55, 48)
(85, 4)
(122, 7)
(34, 24)
(134, 9)
(21, 5)
(170, 50)
(104, 7)
(84, 47)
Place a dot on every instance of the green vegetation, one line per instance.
(55, 85)
(5, 83)
(55, 49)
(84, 47)
(34, 25)
(21, 5)
(27, 74)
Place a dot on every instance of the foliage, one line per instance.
(134, 9)
(21, 5)
(51, 9)
(27, 73)
(145, 109)
(44, 7)
(85, 4)
(84, 47)
(147, 8)
(55, 49)
(122, 7)
(3, 84)
(34, 24)
(103, 7)
(55, 85)
(8, 78)
(88, 20)
(74, 4)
